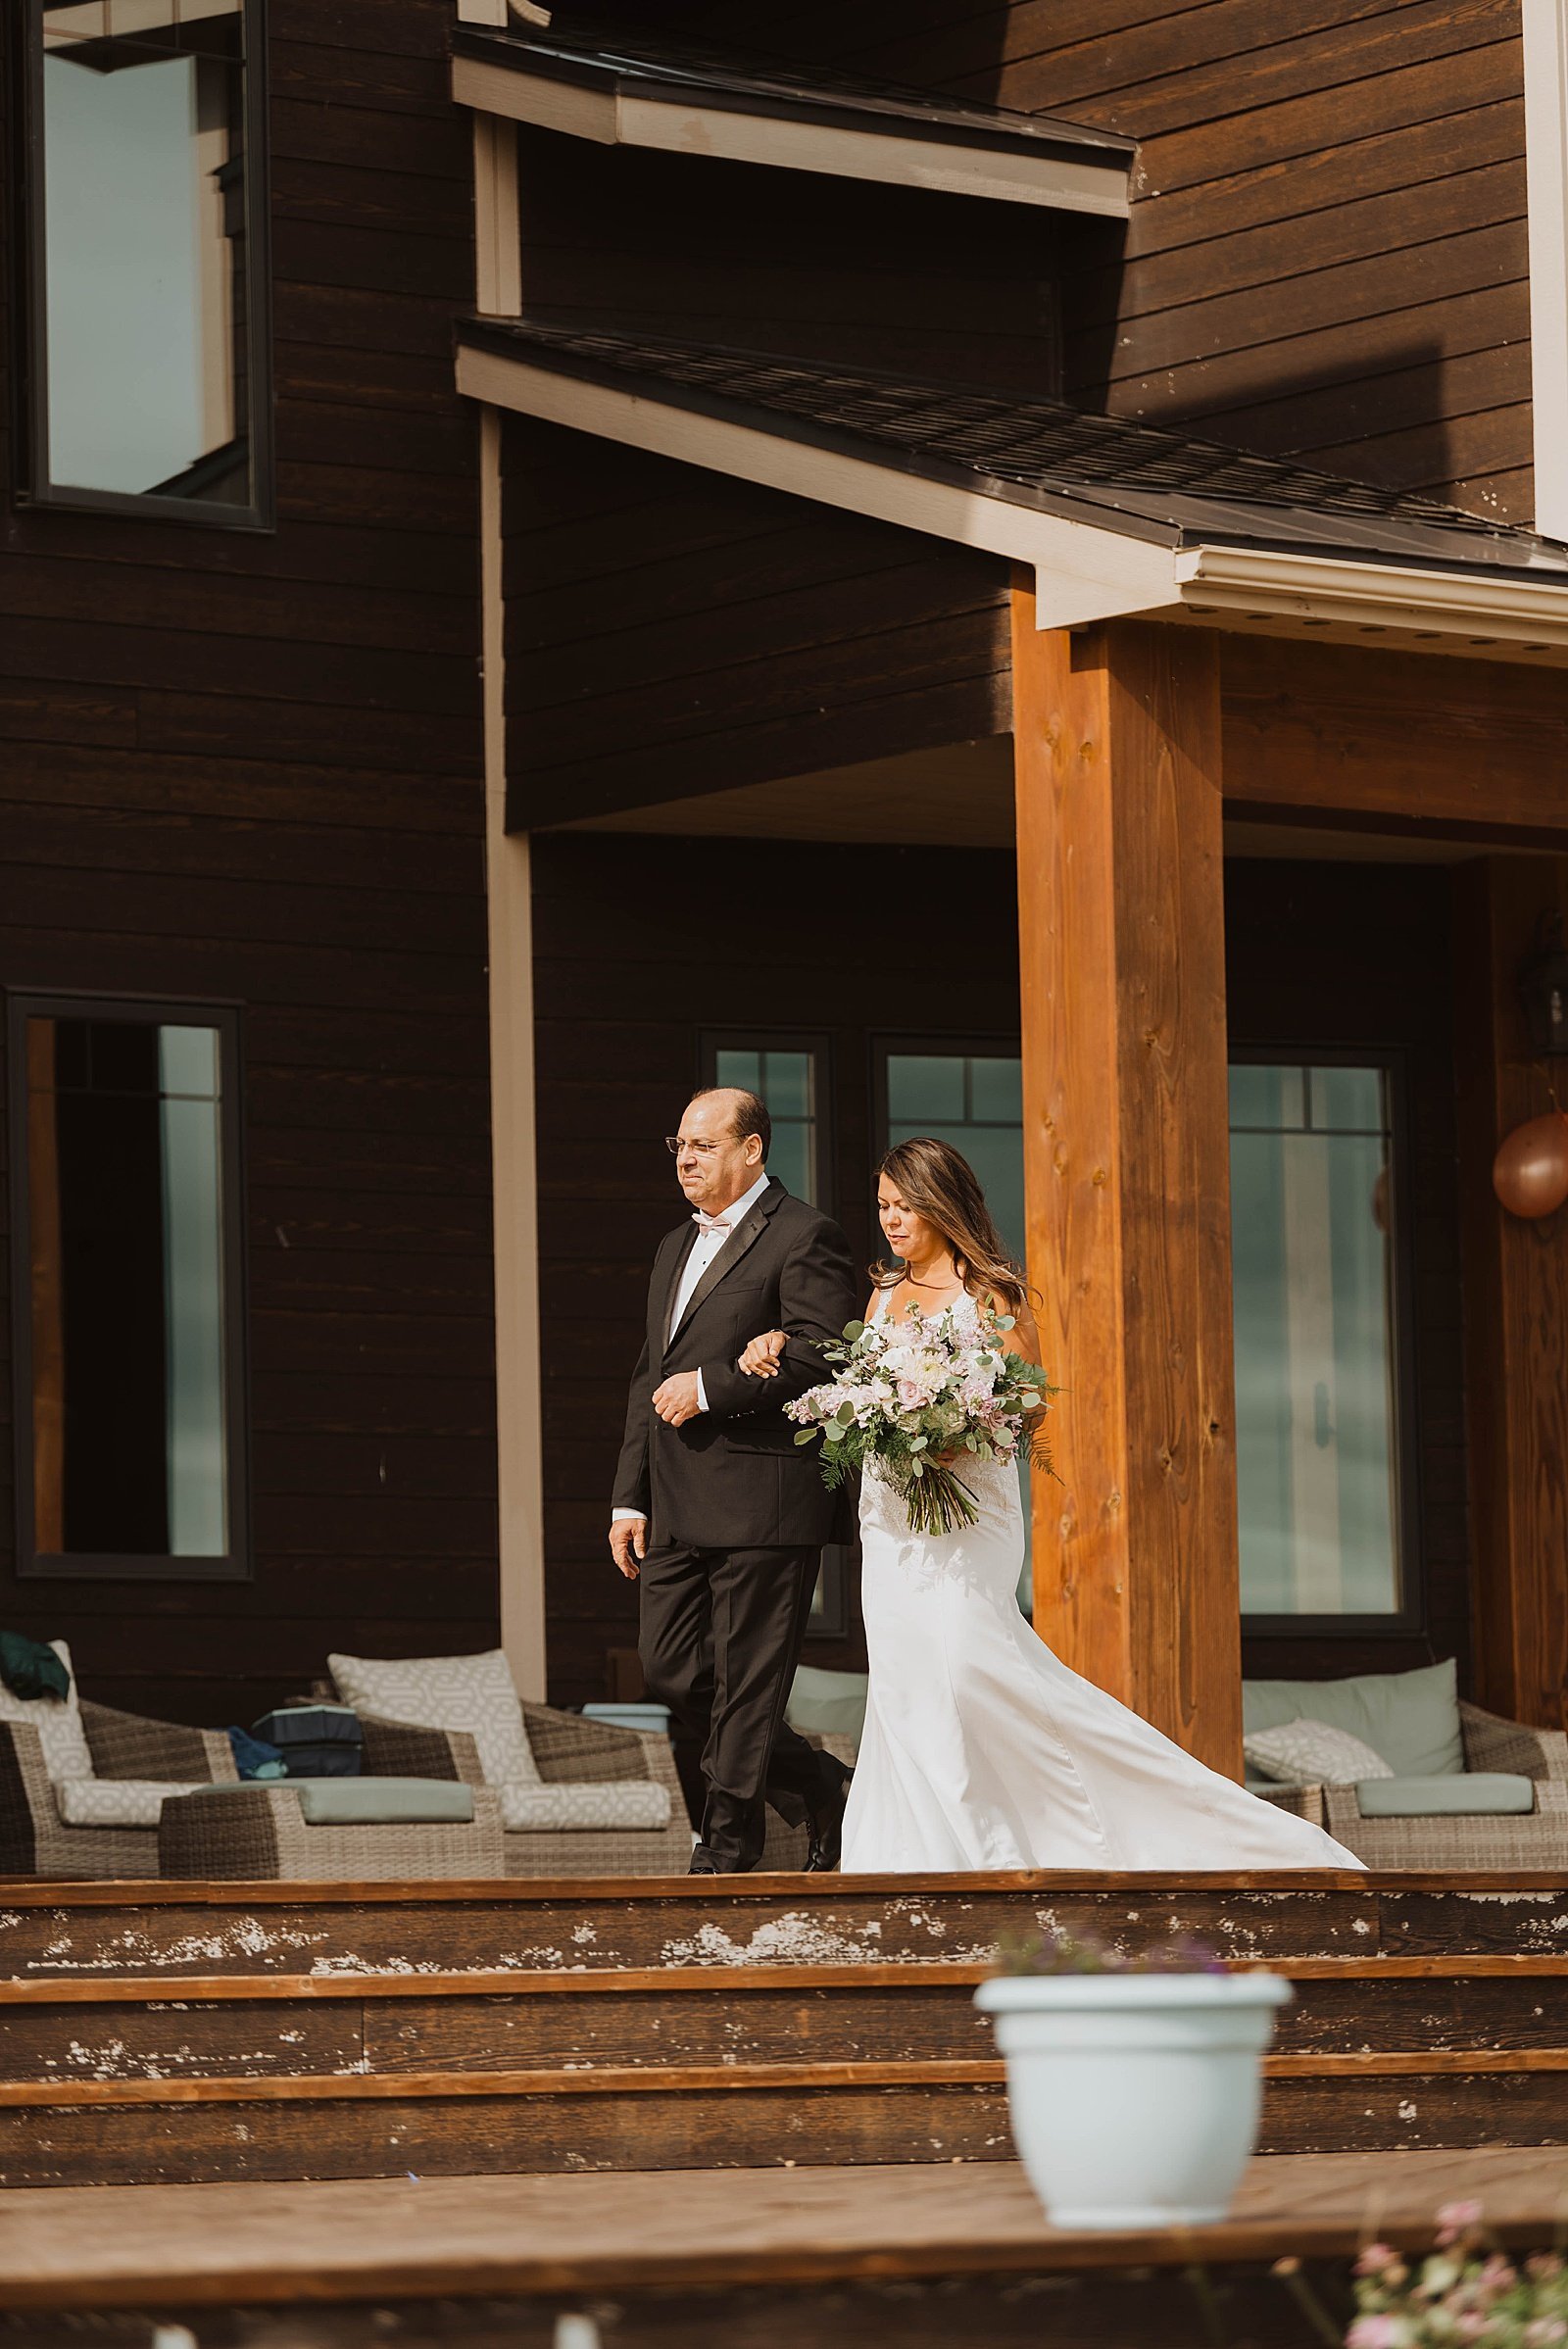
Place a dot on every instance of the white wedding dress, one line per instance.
(983, 1750)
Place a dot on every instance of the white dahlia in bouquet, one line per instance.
(913, 1401)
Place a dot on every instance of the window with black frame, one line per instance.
(127, 1277)
(788, 1076)
(147, 374)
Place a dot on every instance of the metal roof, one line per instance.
(1111, 473)
(611, 57)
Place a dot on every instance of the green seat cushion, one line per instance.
(824, 1703)
(366, 1801)
(382, 1801)
(1410, 1718)
(1467, 1793)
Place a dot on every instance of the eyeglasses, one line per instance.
(677, 1143)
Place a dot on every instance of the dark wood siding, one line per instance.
(246, 767)
(790, 262)
(1327, 252)
(670, 631)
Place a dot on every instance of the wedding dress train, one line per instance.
(983, 1750)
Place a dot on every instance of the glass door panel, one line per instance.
(1315, 1273)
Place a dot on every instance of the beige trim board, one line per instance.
(1060, 183)
(508, 914)
(121, 20)
(512, 1142)
(497, 249)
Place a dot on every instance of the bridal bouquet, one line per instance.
(913, 1398)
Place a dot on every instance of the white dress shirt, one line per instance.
(705, 1247)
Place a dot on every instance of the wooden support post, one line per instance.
(1516, 1305)
(1126, 1148)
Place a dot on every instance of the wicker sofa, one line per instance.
(571, 1755)
(1454, 1786)
(577, 1797)
(1537, 1839)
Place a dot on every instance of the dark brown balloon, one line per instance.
(1530, 1173)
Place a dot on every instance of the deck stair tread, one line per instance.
(460, 2238)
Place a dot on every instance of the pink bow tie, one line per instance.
(711, 1223)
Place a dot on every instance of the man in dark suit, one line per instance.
(719, 1514)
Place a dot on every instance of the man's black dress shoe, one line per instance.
(702, 1865)
(824, 1828)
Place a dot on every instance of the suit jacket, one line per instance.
(734, 1478)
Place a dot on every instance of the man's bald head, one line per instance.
(723, 1146)
(746, 1111)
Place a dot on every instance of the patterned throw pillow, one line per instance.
(1311, 1753)
(116, 1801)
(474, 1694)
(58, 1721)
(577, 1810)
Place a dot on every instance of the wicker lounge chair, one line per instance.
(81, 1786)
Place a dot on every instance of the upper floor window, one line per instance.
(147, 378)
(130, 1419)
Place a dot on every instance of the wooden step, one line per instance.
(704, 2117)
(344, 2077)
(192, 2033)
(261, 2026)
(177, 1930)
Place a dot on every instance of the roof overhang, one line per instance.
(634, 105)
(1083, 570)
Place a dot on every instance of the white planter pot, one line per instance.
(1134, 2098)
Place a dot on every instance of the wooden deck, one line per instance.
(477, 2237)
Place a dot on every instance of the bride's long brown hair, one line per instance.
(939, 1184)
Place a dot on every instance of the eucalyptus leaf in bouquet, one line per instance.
(912, 1399)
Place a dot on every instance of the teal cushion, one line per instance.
(1410, 1718)
(361, 1801)
(825, 1704)
(1492, 1793)
(379, 1801)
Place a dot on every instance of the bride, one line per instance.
(981, 1748)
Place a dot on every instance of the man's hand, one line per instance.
(628, 1544)
(761, 1356)
(675, 1400)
